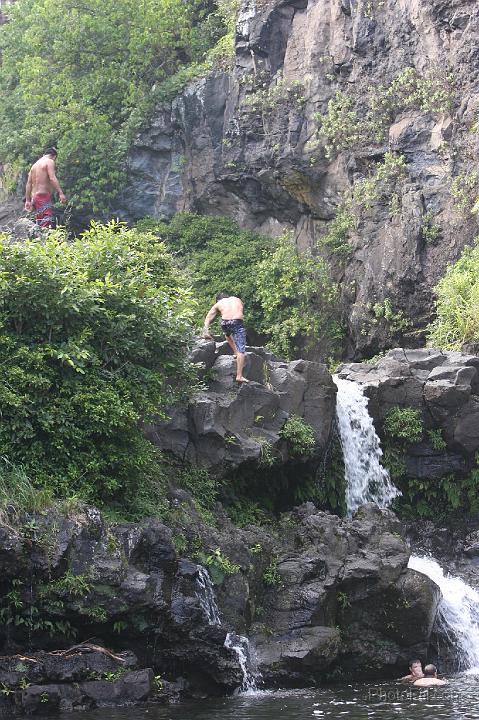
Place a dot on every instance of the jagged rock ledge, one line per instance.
(318, 595)
(227, 425)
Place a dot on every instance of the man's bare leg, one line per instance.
(240, 360)
(232, 344)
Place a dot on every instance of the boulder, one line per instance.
(227, 424)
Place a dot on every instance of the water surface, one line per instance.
(384, 701)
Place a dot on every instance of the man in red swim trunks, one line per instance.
(41, 184)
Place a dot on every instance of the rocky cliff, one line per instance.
(258, 143)
(317, 595)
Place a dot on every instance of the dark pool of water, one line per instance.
(384, 701)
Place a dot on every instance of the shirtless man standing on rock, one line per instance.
(231, 310)
(42, 182)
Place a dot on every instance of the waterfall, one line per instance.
(458, 611)
(206, 596)
(366, 480)
(240, 645)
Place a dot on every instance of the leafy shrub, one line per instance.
(298, 300)
(363, 115)
(457, 303)
(93, 340)
(299, 436)
(85, 76)
(404, 423)
(271, 575)
(288, 295)
(436, 439)
(219, 566)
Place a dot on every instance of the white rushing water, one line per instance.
(458, 611)
(206, 596)
(240, 645)
(366, 479)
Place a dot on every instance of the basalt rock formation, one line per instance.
(247, 142)
(317, 595)
(227, 425)
(444, 387)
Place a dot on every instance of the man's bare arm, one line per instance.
(28, 193)
(208, 319)
(53, 179)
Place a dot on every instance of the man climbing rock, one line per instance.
(230, 308)
(42, 182)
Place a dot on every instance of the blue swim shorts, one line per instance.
(236, 330)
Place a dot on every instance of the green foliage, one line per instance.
(267, 98)
(19, 492)
(464, 189)
(93, 340)
(299, 300)
(271, 575)
(85, 76)
(299, 436)
(343, 600)
(430, 230)
(436, 439)
(369, 190)
(404, 424)
(288, 295)
(437, 499)
(331, 480)
(217, 255)
(337, 231)
(396, 320)
(244, 511)
(457, 303)
(202, 485)
(219, 566)
(362, 116)
(69, 584)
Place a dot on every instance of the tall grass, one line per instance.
(18, 492)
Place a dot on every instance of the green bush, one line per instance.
(94, 336)
(299, 436)
(289, 296)
(85, 77)
(457, 303)
(299, 300)
(404, 424)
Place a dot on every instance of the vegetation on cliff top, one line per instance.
(290, 298)
(85, 76)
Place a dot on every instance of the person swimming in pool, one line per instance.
(231, 310)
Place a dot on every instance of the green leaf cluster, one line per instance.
(299, 436)
(457, 303)
(84, 76)
(404, 424)
(94, 336)
(289, 295)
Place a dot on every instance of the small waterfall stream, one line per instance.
(240, 645)
(206, 596)
(458, 611)
(366, 479)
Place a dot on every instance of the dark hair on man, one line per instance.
(430, 670)
(414, 660)
(222, 296)
(51, 151)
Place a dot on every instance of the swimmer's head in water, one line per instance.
(430, 671)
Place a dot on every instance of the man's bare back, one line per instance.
(42, 179)
(230, 308)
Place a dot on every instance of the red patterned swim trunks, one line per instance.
(43, 206)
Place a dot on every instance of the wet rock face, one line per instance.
(316, 595)
(245, 143)
(444, 386)
(346, 600)
(227, 425)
